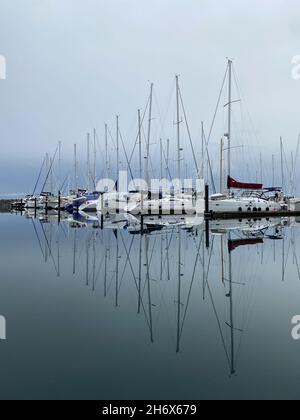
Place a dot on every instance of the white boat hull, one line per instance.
(89, 206)
(242, 204)
(163, 207)
(294, 204)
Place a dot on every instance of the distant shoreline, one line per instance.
(5, 205)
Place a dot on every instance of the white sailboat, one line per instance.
(89, 206)
(118, 202)
(251, 201)
(29, 202)
(164, 206)
(166, 202)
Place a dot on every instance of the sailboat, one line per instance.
(235, 239)
(251, 200)
(251, 197)
(164, 206)
(167, 201)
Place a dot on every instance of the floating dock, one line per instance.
(251, 214)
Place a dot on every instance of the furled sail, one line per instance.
(235, 243)
(232, 183)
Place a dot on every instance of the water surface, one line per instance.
(108, 314)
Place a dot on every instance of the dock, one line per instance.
(251, 215)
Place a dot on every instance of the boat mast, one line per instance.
(39, 176)
(87, 260)
(202, 150)
(148, 135)
(75, 167)
(94, 160)
(229, 116)
(149, 288)
(260, 168)
(106, 152)
(140, 156)
(117, 142)
(203, 266)
(140, 274)
(117, 270)
(222, 260)
(178, 131)
(105, 270)
(94, 262)
(51, 175)
(168, 259)
(59, 164)
(140, 144)
(167, 158)
(281, 163)
(88, 160)
(178, 292)
(221, 165)
(49, 168)
(161, 158)
(58, 253)
(291, 174)
(230, 295)
(74, 251)
(47, 171)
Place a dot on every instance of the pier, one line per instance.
(251, 215)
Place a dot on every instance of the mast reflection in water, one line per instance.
(103, 309)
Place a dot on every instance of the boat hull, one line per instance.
(240, 205)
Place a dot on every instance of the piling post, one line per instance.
(102, 217)
(207, 233)
(59, 205)
(142, 224)
(206, 200)
(207, 214)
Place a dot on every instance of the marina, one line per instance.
(149, 204)
(171, 195)
(142, 258)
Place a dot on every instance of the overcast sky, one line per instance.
(74, 64)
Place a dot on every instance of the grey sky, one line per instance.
(73, 64)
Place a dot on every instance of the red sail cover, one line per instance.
(232, 183)
(235, 243)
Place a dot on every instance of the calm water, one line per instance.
(107, 314)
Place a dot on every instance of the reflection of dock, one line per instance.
(166, 278)
(251, 215)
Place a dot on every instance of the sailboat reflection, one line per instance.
(160, 263)
(254, 233)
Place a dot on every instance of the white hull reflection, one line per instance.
(155, 224)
